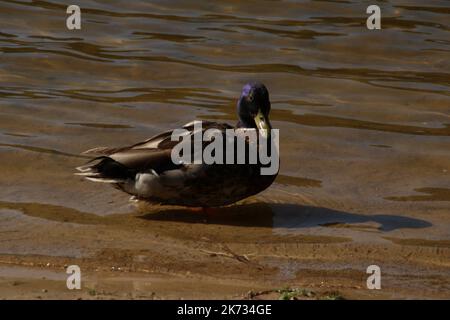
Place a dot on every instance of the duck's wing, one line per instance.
(154, 142)
(160, 141)
(153, 155)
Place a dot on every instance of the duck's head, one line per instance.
(254, 107)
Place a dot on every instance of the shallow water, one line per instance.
(364, 116)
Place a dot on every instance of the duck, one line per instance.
(147, 172)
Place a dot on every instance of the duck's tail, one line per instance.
(104, 169)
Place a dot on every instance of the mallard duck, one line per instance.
(146, 171)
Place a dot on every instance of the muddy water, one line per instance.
(364, 118)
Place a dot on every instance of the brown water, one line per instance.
(364, 119)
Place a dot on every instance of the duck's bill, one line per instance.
(263, 124)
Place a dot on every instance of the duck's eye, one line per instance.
(250, 97)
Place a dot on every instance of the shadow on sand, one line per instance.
(290, 216)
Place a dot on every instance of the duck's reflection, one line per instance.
(284, 216)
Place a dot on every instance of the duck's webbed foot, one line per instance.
(203, 210)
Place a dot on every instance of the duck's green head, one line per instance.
(254, 107)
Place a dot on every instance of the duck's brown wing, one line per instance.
(155, 142)
(152, 155)
(160, 141)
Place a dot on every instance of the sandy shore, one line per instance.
(173, 253)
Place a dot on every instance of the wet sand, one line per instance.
(364, 120)
(234, 253)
